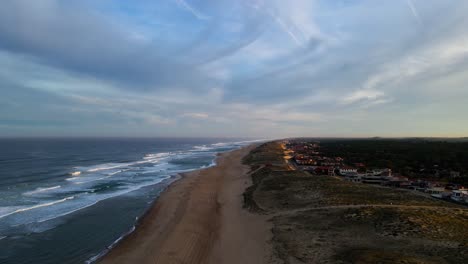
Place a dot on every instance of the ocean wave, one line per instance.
(41, 190)
(92, 176)
(75, 173)
(221, 144)
(37, 206)
(212, 164)
(157, 155)
(203, 148)
(67, 213)
(108, 166)
(125, 177)
(92, 180)
(116, 172)
(102, 197)
(148, 158)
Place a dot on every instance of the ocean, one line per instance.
(70, 200)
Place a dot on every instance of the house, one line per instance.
(436, 192)
(399, 182)
(380, 172)
(347, 170)
(323, 170)
(330, 163)
(304, 161)
(459, 195)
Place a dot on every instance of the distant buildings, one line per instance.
(306, 156)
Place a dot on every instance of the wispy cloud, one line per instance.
(430, 59)
(414, 11)
(183, 4)
(363, 94)
(285, 19)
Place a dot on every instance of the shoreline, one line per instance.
(199, 218)
(98, 257)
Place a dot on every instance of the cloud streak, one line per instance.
(414, 11)
(183, 4)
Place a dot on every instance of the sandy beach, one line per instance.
(200, 219)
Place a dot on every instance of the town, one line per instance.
(309, 156)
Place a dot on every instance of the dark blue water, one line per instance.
(67, 200)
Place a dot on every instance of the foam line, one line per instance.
(37, 206)
(40, 190)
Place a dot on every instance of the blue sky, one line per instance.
(251, 68)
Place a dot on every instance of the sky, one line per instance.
(224, 68)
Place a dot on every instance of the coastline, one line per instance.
(199, 219)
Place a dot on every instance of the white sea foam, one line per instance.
(71, 179)
(158, 155)
(37, 206)
(202, 148)
(221, 144)
(95, 177)
(75, 173)
(41, 190)
(2, 237)
(212, 164)
(116, 172)
(108, 166)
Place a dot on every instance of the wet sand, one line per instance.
(200, 219)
